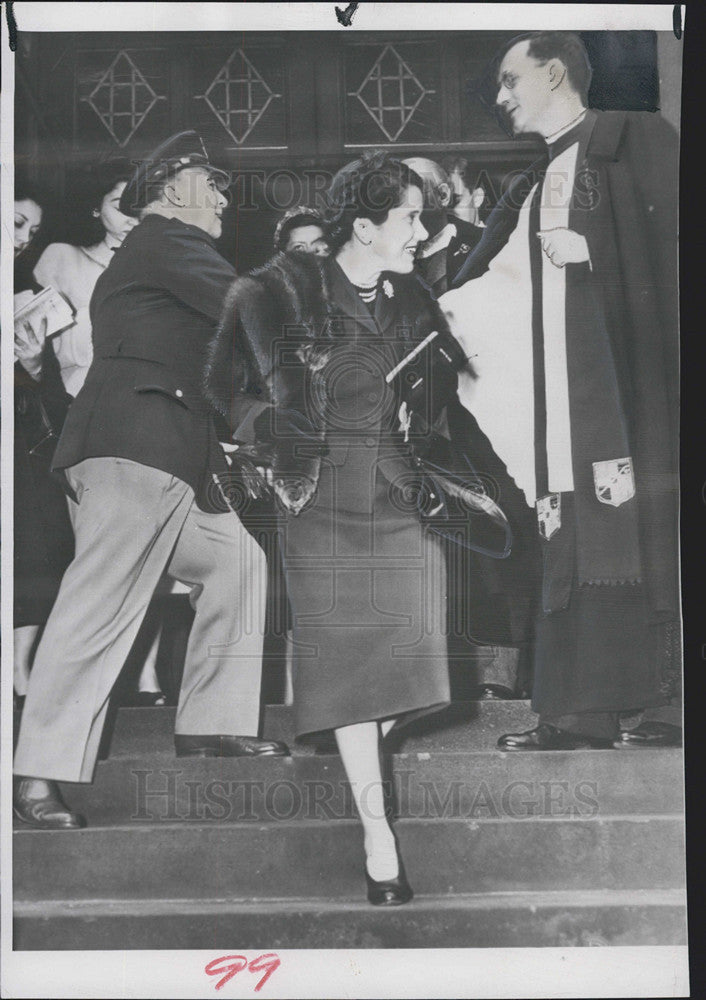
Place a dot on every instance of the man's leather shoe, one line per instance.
(493, 692)
(650, 734)
(228, 746)
(39, 803)
(546, 737)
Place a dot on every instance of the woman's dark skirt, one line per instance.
(368, 599)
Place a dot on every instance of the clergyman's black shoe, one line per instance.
(38, 803)
(546, 737)
(651, 733)
(228, 746)
(391, 892)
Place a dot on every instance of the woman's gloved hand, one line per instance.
(253, 465)
(295, 491)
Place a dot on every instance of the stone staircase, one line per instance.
(503, 850)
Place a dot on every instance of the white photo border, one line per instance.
(360, 973)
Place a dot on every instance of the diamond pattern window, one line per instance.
(392, 93)
(122, 98)
(239, 96)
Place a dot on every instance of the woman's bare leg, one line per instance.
(359, 746)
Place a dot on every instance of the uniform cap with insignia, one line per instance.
(185, 149)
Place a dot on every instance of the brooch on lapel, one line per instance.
(388, 289)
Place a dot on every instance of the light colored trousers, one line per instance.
(132, 523)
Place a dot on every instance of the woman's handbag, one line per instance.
(451, 497)
(456, 501)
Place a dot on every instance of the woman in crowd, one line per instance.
(301, 228)
(28, 217)
(43, 540)
(74, 270)
(366, 581)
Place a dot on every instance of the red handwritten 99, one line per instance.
(229, 965)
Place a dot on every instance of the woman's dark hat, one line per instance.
(186, 149)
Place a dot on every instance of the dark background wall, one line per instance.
(281, 111)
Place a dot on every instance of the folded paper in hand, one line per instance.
(48, 305)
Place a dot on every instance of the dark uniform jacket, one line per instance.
(625, 205)
(438, 271)
(153, 311)
(462, 244)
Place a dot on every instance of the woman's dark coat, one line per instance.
(366, 580)
(284, 311)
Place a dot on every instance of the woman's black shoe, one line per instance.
(391, 892)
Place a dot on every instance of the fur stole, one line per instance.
(282, 305)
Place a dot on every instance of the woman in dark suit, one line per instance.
(366, 581)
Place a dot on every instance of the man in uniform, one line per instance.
(573, 328)
(141, 460)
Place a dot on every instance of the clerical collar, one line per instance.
(567, 136)
(553, 136)
(438, 242)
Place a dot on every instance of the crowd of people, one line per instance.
(465, 427)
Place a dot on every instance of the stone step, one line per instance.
(464, 725)
(305, 859)
(473, 725)
(425, 784)
(487, 920)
